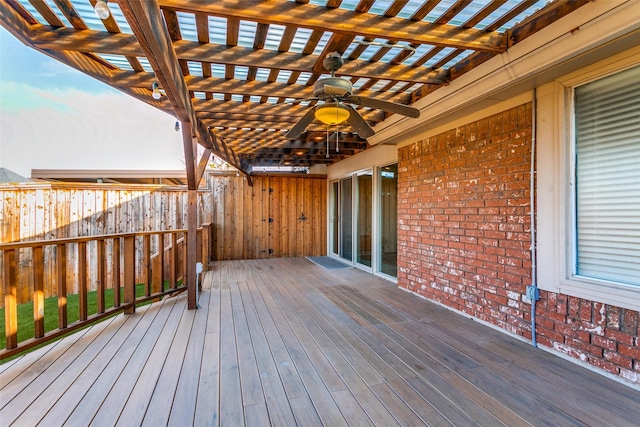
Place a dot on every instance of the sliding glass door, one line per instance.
(345, 219)
(388, 220)
(364, 219)
(364, 223)
(334, 241)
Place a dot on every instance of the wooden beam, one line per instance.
(146, 22)
(45, 37)
(191, 249)
(189, 144)
(202, 164)
(15, 23)
(210, 118)
(346, 22)
(148, 26)
(544, 17)
(71, 14)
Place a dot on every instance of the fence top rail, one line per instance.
(50, 242)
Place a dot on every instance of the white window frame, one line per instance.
(377, 218)
(555, 189)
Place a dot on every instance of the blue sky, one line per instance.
(20, 63)
(54, 117)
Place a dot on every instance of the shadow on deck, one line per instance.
(286, 342)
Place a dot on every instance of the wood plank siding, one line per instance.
(285, 342)
(276, 217)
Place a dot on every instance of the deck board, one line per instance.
(107, 362)
(128, 406)
(285, 342)
(207, 410)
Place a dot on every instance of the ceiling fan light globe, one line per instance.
(331, 114)
(102, 10)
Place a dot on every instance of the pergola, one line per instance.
(238, 75)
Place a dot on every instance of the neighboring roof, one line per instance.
(234, 68)
(8, 176)
(162, 177)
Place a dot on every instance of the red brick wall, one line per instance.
(602, 335)
(464, 240)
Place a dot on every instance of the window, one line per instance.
(588, 182)
(607, 178)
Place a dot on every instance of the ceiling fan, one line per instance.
(336, 96)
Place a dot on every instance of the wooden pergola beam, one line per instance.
(345, 22)
(70, 39)
(202, 164)
(147, 24)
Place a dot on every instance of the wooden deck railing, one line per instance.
(162, 272)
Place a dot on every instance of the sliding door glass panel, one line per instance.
(364, 227)
(388, 220)
(334, 218)
(346, 219)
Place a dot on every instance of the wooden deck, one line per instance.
(285, 342)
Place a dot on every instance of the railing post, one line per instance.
(61, 254)
(129, 273)
(173, 261)
(100, 264)
(158, 287)
(206, 246)
(82, 280)
(146, 263)
(116, 271)
(38, 292)
(10, 299)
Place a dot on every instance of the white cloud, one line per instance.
(72, 129)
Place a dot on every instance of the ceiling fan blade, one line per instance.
(335, 90)
(391, 107)
(359, 124)
(301, 125)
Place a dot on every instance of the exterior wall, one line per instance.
(464, 242)
(602, 335)
(463, 218)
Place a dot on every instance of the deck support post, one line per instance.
(191, 249)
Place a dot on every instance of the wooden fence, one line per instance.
(279, 216)
(276, 217)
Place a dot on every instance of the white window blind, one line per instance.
(607, 129)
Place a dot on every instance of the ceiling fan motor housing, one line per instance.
(333, 62)
(331, 87)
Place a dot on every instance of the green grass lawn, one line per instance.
(25, 312)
